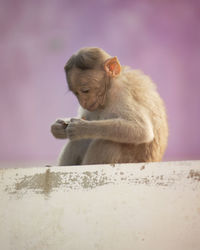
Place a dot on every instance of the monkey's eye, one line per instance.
(85, 91)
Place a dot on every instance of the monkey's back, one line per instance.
(145, 94)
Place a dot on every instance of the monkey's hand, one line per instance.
(59, 128)
(77, 129)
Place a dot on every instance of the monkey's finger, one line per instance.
(60, 121)
(66, 123)
(74, 120)
(60, 136)
(57, 126)
(59, 133)
(61, 125)
(58, 129)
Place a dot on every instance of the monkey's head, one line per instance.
(88, 75)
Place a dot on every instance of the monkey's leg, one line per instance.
(73, 153)
(103, 152)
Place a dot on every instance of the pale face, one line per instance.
(89, 88)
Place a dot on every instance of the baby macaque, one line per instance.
(122, 118)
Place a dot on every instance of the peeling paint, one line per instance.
(41, 183)
(195, 175)
(87, 178)
(45, 183)
(113, 164)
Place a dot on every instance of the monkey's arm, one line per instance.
(138, 131)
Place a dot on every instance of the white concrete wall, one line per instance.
(122, 207)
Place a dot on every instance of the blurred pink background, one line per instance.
(37, 37)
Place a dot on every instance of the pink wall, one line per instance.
(37, 37)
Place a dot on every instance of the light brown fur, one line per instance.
(124, 116)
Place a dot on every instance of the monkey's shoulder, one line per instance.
(136, 81)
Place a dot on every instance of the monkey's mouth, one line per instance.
(92, 107)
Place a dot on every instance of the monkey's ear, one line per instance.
(112, 67)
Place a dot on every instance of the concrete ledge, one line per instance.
(126, 206)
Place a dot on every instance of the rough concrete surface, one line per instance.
(122, 206)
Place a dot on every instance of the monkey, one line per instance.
(121, 118)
